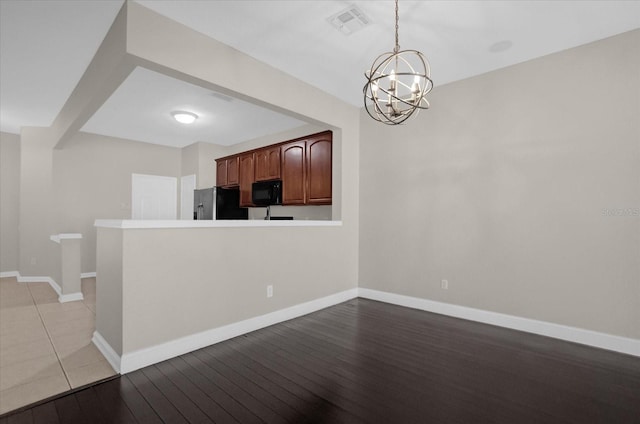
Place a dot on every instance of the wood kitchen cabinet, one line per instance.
(228, 171)
(246, 178)
(267, 163)
(318, 163)
(293, 172)
(233, 170)
(304, 165)
(221, 172)
(306, 170)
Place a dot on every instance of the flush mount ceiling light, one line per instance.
(397, 84)
(184, 117)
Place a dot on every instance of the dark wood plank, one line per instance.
(310, 406)
(175, 396)
(160, 404)
(321, 391)
(191, 369)
(68, 410)
(45, 414)
(24, 417)
(258, 413)
(226, 363)
(113, 404)
(244, 391)
(90, 406)
(122, 390)
(208, 405)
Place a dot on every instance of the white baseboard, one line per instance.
(62, 298)
(8, 274)
(88, 275)
(154, 354)
(557, 331)
(49, 280)
(107, 351)
(71, 297)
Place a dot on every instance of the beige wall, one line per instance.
(198, 160)
(9, 201)
(500, 188)
(92, 180)
(206, 278)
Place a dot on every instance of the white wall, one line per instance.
(500, 188)
(9, 201)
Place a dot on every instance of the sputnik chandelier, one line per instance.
(397, 84)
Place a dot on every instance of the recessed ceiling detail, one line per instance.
(139, 110)
(349, 20)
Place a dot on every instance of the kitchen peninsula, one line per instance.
(169, 287)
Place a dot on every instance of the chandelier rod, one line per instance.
(397, 47)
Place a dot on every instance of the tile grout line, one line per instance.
(44, 324)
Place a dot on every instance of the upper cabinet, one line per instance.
(221, 172)
(304, 165)
(246, 179)
(233, 171)
(228, 171)
(267, 163)
(294, 173)
(306, 170)
(318, 161)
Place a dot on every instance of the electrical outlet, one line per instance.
(444, 284)
(269, 291)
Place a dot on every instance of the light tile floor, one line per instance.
(45, 346)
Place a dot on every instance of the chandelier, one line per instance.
(397, 84)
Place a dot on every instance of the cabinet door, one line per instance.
(293, 172)
(221, 172)
(246, 179)
(233, 170)
(268, 164)
(318, 171)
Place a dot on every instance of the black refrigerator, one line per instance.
(218, 203)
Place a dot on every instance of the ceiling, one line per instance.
(45, 46)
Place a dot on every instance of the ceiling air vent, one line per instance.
(221, 96)
(349, 20)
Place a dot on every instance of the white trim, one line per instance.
(65, 236)
(557, 331)
(49, 280)
(154, 354)
(8, 274)
(71, 297)
(107, 351)
(159, 223)
(88, 275)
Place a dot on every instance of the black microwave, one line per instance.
(265, 193)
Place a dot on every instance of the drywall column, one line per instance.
(37, 257)
(70, 265)
(9, 202)
(109, 281)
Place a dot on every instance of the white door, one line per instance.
(153, 197)
(187, 185)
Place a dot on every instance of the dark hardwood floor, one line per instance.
(367, 362)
